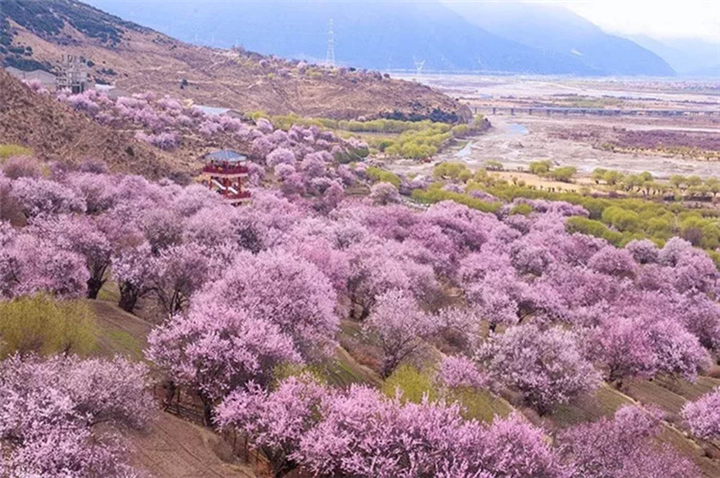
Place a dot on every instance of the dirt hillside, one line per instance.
(135, 59)
(55, 132)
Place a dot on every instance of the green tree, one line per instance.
(540, 167)
(677, 180)
(598, 175)
(713, 185)
(612, 177)
(563, 174)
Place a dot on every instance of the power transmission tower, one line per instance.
(418, 65)
(330, 54)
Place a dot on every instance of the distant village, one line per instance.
(72, 76)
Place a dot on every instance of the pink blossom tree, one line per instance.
(281, 156)
(460, 372)
(265, 310)
(81, 235)
(642, 347)
(176, 274)
(615, 262)
(643, 251)
(384, 193)
(622, 446)
(215, 349)
(275, 421)
(162, 228)
(377, 267)
(364, 434)
(546, 366)
(288, 291)
(98, 190)
(703, 415)
(39, 196)
(29, 265)
(399, 326)
(21, 166)
(55, 414)
(132, 267)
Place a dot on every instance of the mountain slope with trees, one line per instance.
(55, 132)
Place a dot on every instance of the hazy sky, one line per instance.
(657, 18)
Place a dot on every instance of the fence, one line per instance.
(189, 407)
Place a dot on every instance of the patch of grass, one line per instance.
(10, 150)
(650, 393)
(689, 390)
(433, 195)
(413, 383)
(381, 175)
(604, 403)
(110, 292)
(416, 384)
(688, 448)
(119, 332)
(123, 342)
(344, 370)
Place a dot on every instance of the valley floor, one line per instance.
(515, 141)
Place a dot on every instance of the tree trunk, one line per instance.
(207, 413)
(94, 285)
(128, 298)
(388, 367)
(170, 390)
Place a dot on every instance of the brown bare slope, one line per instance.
(136, 59)
(57, 133)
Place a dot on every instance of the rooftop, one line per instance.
(226, 155)
(212, 110)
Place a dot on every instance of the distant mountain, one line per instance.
(386, 35)
(687, 56)
(394, 34)
(560, 33)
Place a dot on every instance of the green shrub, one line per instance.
(591, 227)
(494, 166)
(383, 176)
(42, 325)
(621, 219)
(451, 170)
(433, 195)
(458, 131)
(522, 208)
(10, 150)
